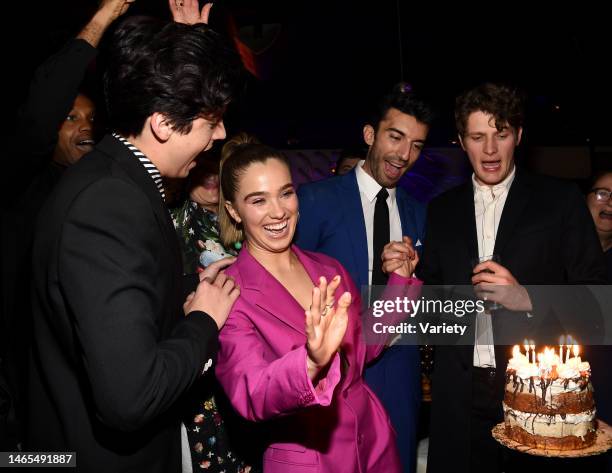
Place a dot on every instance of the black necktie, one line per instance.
(381, 236)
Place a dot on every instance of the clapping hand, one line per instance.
(326, 323)
(400, 258)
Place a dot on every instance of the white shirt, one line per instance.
(368, 189)
(489, 204)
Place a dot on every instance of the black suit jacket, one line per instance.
(545, 236)
(112, 350)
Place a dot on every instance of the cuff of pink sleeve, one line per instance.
(323, 393)
(397, 280)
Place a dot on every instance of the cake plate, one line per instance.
(603, 443)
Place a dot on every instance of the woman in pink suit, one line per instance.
(292, 352)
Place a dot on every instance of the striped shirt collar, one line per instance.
(146, 162)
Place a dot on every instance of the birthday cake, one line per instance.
(549, 404)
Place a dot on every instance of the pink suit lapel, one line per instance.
(268, 294)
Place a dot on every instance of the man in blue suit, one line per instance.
(337, 217)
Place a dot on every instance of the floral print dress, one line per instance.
(198, 232)
(199, 239)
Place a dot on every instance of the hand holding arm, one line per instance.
(400, 258)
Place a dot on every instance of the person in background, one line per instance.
(55, 129)
(348, 159)
(600, 206)
(370, 210)
(196, 220)
(218, 440)
(600, 357)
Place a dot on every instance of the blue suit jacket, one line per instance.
(331, 222)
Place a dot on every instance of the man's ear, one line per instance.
(519, 135)
(369, 134)
(232, 211)
(161, 127)
(461, 141)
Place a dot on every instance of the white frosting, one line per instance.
(527, 371)
(567, 371)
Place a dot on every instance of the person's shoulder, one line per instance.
(451, 196)
(410, 200)
(324, 186)
(544, 183)
(235, 270)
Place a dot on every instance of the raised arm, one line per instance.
(56, 83)
(188, 11)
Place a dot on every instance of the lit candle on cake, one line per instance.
(561, 343)
(567, 348)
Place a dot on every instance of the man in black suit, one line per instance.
(541, 231)
(113, 351)
(55, 128)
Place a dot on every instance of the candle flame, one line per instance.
(576, 350)
(516, 351)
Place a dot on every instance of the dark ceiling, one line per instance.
(330, 60)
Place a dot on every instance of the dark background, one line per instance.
(331, 60)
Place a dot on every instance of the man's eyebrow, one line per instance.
(395, 130)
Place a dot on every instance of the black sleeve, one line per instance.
(52, 92)
(108, 272)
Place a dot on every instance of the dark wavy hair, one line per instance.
(403, 98)
(504, 102)
(181, 71)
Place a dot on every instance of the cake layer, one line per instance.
(550, 443)
(563, 403)
(554, 426)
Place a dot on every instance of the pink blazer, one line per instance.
(339, 426)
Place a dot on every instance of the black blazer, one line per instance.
(112, 351)
(545, 236)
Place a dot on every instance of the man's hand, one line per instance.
(400, 257)
(114, 8)
(215, 299)
(494, 282)
(188, 11)
(212, 270)
(108, 11)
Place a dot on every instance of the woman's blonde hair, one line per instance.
(236, 156)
